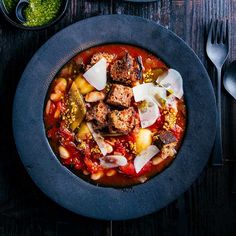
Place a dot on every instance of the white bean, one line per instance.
(111, 172)
(97, 175)
(85, 172)
(156, 160)
(142, 179)
(94, 96)
(56, 97)
(60, 86)
(63, 153)
(48, 106)
(109, 148)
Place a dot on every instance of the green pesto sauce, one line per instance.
(38, 12)
(10, 4)
(41, 12)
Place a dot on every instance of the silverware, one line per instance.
(229, 81)
(217, 49)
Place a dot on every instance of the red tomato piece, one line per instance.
(92, 167)
(52, 108)
(75, 157)
(52, 133)
(147, 168)
(49, 117)
(65, 134)
(128, 169)
(178, 132)
(158, 124)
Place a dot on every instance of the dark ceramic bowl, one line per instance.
(72, 192)
(11, 18)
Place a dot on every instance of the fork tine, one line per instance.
(222, 32)
(210, 33)
(227, 33)
(217, 31)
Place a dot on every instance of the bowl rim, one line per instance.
(33, 28)
(106, 202)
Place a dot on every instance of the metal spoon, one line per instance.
(230, 79)
(19, 10)
(229, 82)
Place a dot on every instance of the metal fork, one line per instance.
(217, 49)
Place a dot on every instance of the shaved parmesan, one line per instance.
(159, 95)
(112, 161)
(98, 139)
(172, 81)
(148, 112)
(153, 96)
(144, 157)
(97, 74)
(171, 102)
(142, 91)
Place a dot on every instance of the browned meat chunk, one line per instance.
(126, 70)
(72, 68)
(121, 121)
(138, 67)
(164, 138)
(168, 150)
(98, 115)
(119, 95)
(98, 56)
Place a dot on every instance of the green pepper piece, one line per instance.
(77, 109)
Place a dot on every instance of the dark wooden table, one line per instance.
(207, 208)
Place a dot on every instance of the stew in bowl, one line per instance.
(115, 115)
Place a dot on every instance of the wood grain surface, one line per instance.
(207, 208)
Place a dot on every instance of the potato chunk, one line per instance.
(144, 139)
(84, 131)
(83, 86)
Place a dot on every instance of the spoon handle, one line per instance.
(217, 153)
(234, 180)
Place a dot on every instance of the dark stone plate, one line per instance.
(61, 185)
